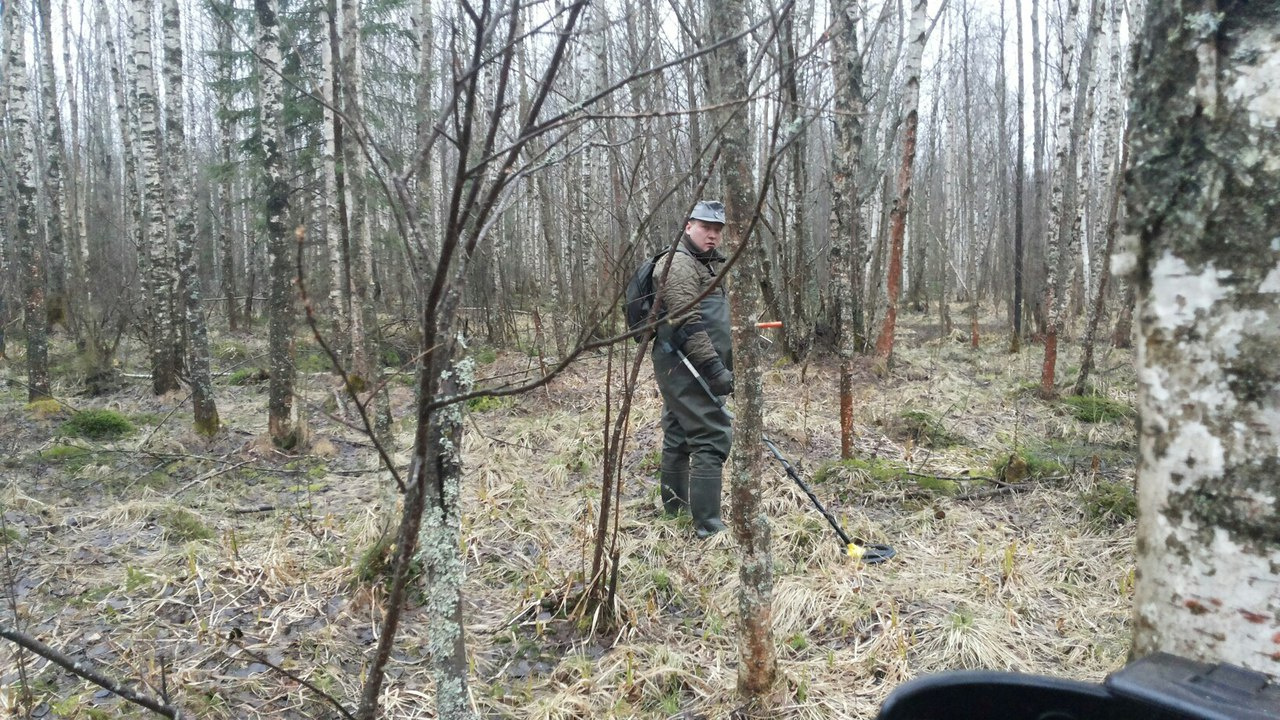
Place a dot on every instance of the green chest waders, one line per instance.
(697, 432)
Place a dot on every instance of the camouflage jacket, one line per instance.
(690, 275)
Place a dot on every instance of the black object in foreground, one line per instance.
(1156, 687)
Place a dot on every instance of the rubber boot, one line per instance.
(675, 484)
(704, 502)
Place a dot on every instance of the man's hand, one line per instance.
(719, 378)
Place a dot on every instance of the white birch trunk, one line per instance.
(55, 162)
(355, 173)
(226, 246)
(1203, 251)
(204, 407)
(30, 255)
(339, 282)
(847, 246)
(161, 277)
(282, 427)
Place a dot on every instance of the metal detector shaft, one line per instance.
(868, 553)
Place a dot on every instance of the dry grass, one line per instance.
(983, 579)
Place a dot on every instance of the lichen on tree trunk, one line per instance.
(1202, 249)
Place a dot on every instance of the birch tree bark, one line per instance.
(55, 161)
(281, 423)
(128, 139)
(847, 245)
(727, 71)
(1112, 122)
(334, 222)
(1019, 187)
(204, 407)
(898, 216)
(226, 247)
(1203, 197)
(161, 277)
(77, 182)
(1059, 191)
(30, 255)
(362, 320)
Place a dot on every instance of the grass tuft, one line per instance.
(1095, 408)
(874, 469)
(98, 425)
(921, 427)
(181, 525)
(1110, 502)
(1025, 464)
(246, 376)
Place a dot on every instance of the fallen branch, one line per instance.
(82, 670)
(292, 676)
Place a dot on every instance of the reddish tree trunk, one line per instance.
(1050, 363)
(898, 218)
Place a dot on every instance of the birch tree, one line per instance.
(161, 278)
(1203, 198)
(1113, 188)
(281, 422)
(1059, 191)
(1019, 187)
(355, 172)
(55, 162)
(204, 407)
(847, 245)
(30, 256)
(226, 174)
(334, 222)
(898, 216)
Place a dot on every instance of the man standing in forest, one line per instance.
(696, 428)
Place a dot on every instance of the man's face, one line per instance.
(704, 235)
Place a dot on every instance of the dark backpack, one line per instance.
(638, 301)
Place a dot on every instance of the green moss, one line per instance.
(182, 525)
(1110, 502)
(485, 355)
(230, 352)
(1095, 408)
(70, 454)
(1025, 464)
(245, 376)
(485, 403)
(313, 362)
(937, 485)
(391, 358)
(98, 425)
(46, 408)
(376, 563)
(8, 535)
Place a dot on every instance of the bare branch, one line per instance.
(82, 670)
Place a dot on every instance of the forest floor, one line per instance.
(187, 562)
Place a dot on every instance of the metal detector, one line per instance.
(869, 553)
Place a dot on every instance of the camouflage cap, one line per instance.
(708, 211)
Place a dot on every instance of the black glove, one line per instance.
(719, 378)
